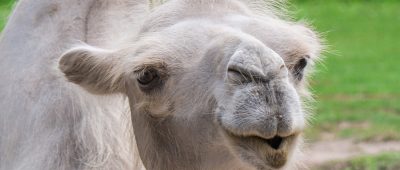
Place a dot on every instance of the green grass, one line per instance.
(5, 9)
(359, 82)
(386, 161)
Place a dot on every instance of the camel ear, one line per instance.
(95, 69)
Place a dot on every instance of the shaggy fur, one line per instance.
(232, 75)
(46, 122)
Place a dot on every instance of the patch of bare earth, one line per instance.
(325, 151)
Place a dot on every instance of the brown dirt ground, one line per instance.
(325, 151)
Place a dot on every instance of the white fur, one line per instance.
(46, 122)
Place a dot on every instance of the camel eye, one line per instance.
(149, 79)
(298, 69)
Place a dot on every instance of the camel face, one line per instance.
(248, 88)
(195, 83)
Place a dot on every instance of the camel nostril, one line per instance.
(275, 142)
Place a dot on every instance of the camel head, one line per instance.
(225, 78)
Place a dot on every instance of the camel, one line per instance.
(132, 84)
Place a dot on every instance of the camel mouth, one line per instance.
(276, 150)
(275, 142)
(270, 153)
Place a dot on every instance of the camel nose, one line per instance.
(267, 105)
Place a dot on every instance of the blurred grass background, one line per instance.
(360, 79)
(5, 8)
(358, 85)
(385, 161)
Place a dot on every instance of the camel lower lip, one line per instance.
(273, 153)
